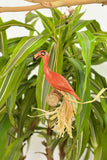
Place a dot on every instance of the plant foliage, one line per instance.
(74, 45)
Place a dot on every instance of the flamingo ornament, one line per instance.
(56, 80)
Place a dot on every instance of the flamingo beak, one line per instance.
(35, 57)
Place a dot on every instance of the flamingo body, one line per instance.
(56, 80)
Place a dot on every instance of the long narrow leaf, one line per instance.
(46, 22)
(12, 98)
(23, 49)
(87, 43)
(9, 82)
(28, 101)
(13, 151)
(3, 41)
(104, 145)
(30, 16)
(12, 43)
(4, 126)
(94, 26)
(10, 23)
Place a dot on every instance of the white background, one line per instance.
(92, 12)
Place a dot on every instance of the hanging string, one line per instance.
(73, 101)
(91, 101)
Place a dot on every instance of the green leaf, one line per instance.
(87, 155)
(85, 137)
(26, 46)
(4, 127)
(98, 112)
(79, 25)
(101, 36)
(11, 105)
(30, 16)
(80, 74)
(104, 145)
(12, 42)
(11, 100)
(104, 104)
(83, 111)
(56, 15)
(32, 32)
(14, 149)
(93, 131)
(87, 43)
(94, 26)
(54, 143)
(79, 146)
(3, 61)
(86, 110)
(26, 105)
(10, 23)
(46, 22)
(9, 83)
(3, 41)
(59, 55)
(73, 26)
(98, 153)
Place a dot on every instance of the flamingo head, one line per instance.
(40, 54)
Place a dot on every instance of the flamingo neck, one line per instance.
(45, 64)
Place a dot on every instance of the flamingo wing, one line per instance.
(59, 82)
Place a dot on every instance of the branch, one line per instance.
(50, 4)
(60, 3)
(22, 8)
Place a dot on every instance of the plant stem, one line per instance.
(22, 8)
(61, 149)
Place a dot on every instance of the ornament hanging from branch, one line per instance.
(60, 116)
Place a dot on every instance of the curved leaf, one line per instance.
(85, 137)
(12, 43)
(9, 83)
(26, 46)
(94, 26)
(10, 23)
(104, 145)
(79, 25)
(48, 25)
(30, 16)
(4, 126)
(13, 151)
(87, 43)
(3, 41)
(3, 61)
(101, 36)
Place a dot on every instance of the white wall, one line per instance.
(92, 12)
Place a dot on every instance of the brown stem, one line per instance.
(34, 123)
(40, 1)
(61, 150)
(48, 150)
(22, 8)
(49, 154)
(50, 4)
(23, 158)
(60, 3)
